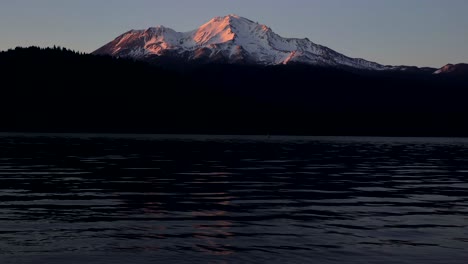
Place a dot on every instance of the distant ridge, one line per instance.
(453, 69)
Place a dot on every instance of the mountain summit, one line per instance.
(229, 39)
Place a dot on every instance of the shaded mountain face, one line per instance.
(453, 69)
(230, 39)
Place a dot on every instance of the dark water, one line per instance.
(148, 199)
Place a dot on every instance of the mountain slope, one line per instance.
(229, 39)
(453, 69)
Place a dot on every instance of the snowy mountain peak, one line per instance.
(229, 19)
(229, 39)
(218, 30)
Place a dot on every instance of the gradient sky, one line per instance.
(397, 32)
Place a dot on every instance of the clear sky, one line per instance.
(409, 32)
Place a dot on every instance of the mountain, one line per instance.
(453, 69)
(230, 39)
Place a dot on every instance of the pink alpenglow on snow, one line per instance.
(229, 39)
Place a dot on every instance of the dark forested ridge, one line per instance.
(58, 90)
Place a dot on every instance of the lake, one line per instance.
(232, 199)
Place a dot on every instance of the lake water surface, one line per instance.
(205, 199)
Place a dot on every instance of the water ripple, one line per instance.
(223, 200)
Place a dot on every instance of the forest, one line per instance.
(59, 90)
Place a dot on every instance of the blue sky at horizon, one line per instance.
(396, 32)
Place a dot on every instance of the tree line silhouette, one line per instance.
(60, 90)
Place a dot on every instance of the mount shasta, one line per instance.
(235, 40)
(208, 81)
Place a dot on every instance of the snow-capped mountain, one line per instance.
(453, 69)
(229, 39)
